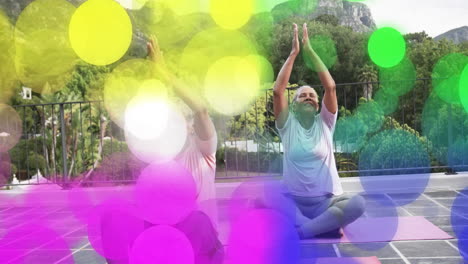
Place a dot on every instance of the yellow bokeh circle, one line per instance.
(230, 14)
(211, 45)
(264, 68)
(146, 114)
(44, 58)
(231, 85)
(125, 82)
(100, 31)
(8, 79)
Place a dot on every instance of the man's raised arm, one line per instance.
(329, 99)
(280, 103)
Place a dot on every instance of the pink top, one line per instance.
(199, 157)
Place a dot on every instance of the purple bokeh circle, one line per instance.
(262, 236)
(379, 222)
(162, 244)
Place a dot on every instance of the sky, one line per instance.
(408, 16)
(433, 16)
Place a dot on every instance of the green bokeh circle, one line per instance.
(446, 76)
(464, 87)
(386, 47)
(325, 48)
(400, 79)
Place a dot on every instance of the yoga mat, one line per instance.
(360, 260)
(366, 230)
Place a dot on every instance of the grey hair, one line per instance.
(296, 94)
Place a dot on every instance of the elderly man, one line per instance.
(309, 170)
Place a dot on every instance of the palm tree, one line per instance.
(49, 116)
(79, 119)
(367, 74)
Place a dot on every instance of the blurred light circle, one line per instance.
(11, 127)
(165, 193)
(100, 31)
(231, 85)
(163, 146)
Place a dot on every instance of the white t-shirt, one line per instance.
(309, 167)
(199, 158)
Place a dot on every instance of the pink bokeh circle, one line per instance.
(162, 244)
(53, 247)
(112, 228)
(165, 193)
(10, 127)
(5, 168)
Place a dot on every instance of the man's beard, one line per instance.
(307, 108)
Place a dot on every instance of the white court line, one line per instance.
(456, 248)
(45, 244)
(18, 225)
(76, 250)
(41, 246)
(404, 209)
(337, 250)
(399, 253)
(451, 257)
(435, 201)
(460, 193)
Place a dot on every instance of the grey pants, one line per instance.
(327, 213)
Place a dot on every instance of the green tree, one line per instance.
(394, 149)
(417, 37)
(85, 123)
(253, 123)
(367, 74)
(424, 55)
(328, 19)
(260, 31)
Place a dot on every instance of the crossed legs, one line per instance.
(314, 216)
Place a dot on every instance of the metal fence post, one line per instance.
(64, 147)
(450, 170)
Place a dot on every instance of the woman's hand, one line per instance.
(154, 52)
(156, 55)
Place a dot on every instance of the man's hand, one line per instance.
(295, 42)
(305, 39)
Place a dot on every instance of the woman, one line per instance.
(199, 157)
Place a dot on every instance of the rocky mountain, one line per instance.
(13, 8)
(355, 15)
(352, 14)
(457, 35)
